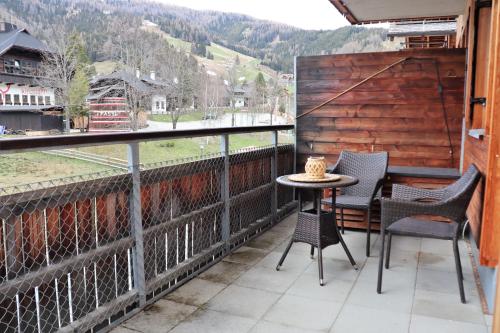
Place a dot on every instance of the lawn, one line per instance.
(23, 168)
(166, 118)
(32, 167)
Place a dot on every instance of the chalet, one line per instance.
(241, 97)
(24, 103)
(107, 90)
(424, 34)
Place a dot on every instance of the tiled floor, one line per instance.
(244, 293)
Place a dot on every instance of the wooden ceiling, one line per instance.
(375, 11)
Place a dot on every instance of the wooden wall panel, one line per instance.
(490, 242)
(398, 111)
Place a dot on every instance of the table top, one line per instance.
(342, 182)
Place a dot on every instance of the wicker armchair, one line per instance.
(398, 216)
(370, 169)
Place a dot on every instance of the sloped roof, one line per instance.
(125, 76)
(373, 11)
(143, 84)
(20, 38)
(424, 28)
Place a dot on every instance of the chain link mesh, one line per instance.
(67, 245)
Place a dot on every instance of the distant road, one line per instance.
(241, 119)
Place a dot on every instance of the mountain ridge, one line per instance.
(273, 43)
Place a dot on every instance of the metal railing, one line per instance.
(84, 253)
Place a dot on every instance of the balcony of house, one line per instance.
(192, 244)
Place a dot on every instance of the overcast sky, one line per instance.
(310, 14)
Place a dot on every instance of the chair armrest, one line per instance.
(414, 193)
(378, 186)
(396, 209)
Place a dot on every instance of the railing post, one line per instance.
(225, 194)
(136, 222)
(274, 175)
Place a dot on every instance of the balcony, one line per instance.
(245, 293)
(83, 252)
(191, 246)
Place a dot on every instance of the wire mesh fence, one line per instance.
(81, 253)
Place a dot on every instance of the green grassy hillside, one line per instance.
(224, 58)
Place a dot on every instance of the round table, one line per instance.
(316, 226)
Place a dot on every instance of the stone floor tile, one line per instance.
(268, 241)
(359, 319)
(293, 262)
(447, 306)
(357, 238)
(303, 312)
(307, 285)
(207, 321)
(396, 295)
(159, 317)
(246, 255)
(337, 252)
(224, 272)
(243, 302)
(444, 282)
(439, 262)
(336, 269)
(269, 327)
(422, 324)
(397, 271)
(436, 246)
(267, 279)
(196, 292)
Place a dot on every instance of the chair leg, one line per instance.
(284, 255)
(320, 266)
(342, 220)
(368, 232)
(381, 263)
(312, 252)
(388, 257)
(458, 264)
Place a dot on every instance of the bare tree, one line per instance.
(231, 86)
(58, 68)
(181, 76)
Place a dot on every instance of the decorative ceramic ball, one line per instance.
(316, 167)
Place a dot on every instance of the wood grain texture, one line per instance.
(398, 111)
(490, 231)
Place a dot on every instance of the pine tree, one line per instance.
(78, 90)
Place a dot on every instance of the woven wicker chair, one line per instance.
(398, 216)
(370, 169)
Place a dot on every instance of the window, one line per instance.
(1, 99)
(40, 100)
(12, 66)
(25, 99)
(8, 99)
(157, 105)
(47, 100)
(15, 66)
(33, 100)
(163, 105)
(17, 100)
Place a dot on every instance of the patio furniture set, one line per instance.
(408, 212)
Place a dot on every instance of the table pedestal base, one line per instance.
(319, 229)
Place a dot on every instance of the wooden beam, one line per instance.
(339, 4)
(490, 246)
